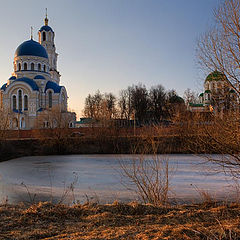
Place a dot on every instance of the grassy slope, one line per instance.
(119, 221)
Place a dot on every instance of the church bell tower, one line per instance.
(46, 39)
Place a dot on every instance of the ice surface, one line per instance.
(97, 178)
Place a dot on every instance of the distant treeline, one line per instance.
(137, 102)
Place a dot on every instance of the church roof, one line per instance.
(39, 77)
(29, 81)
(4, 87)
(52, 85)
(216, 76)
(208, 91)
(12, 78)
(31, 48)
(195, 104)
(45, 28)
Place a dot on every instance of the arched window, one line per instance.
(25, 102)
(46, 124)
(15, 123)
(25, 66)
(20, 100)
(39, 67)
(44, 36)
(22, 123)
(49, 36)
(32, 66)
(44, 68)
(14, 102)
(50, 99)
(19, 67)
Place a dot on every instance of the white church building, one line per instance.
(32, 95)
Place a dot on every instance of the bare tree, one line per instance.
(190, 96)
(125, 103)
(109, 103)
(53, 127)
(175, 104)
(4, 123)
(148, 177)
(140, 102)
(211, 134)
(89, 108)
(100, 106)
(93, 105)
(219, 48)
(158, 100)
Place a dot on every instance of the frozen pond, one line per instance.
(97, 178)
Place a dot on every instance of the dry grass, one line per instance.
(119, 221)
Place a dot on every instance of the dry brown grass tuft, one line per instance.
(119, 221)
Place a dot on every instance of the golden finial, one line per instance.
(46, 19)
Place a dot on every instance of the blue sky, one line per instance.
(112, 44)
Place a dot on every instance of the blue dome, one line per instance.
(29, 81)
(52, 85)
(12, 78)
(45, 28)
(39, 77)
(4, 87)
(31, 48)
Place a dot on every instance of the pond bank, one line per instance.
(10, 149)
(131, 221)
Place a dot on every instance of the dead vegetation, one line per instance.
(119, 221)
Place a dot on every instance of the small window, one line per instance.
(19, 67)
(39, 67)
(25, 66)
(25, 102)
(14, 102)
(44, 36)
(50, 99)
(32, 66)
(44, 68)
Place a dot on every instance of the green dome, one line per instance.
(201, 94)
(216, 76)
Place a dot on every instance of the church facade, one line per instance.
(218, 97)
(32, 97)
